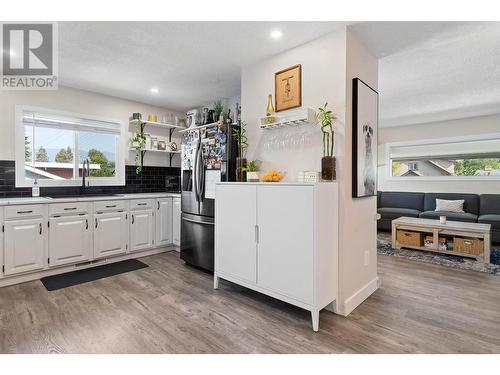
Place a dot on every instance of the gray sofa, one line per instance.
(477, 208)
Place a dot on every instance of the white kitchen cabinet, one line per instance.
(141, 230)
(285, 220)
(24, 245)
(110, 234)
(69, 239)
(236, 231)
(280, 240)
(176, 221)
(164, 222)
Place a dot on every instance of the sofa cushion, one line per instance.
(452, 216)
(489, 204)
(494, 220)
(452, 206)
(389, 213)
(397, 199)
(471, 201)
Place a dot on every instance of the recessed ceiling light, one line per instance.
(276, 34)
(154, 90)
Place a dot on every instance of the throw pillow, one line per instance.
(451, 206)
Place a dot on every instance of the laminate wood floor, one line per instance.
(172, 308)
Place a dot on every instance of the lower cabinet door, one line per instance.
(163, 222)
(69, 240)
(235, 231)
(141, 230)
(24, 246)
(176, 221)
(285, 217)
(110, 234)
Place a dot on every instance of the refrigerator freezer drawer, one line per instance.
(197, 241)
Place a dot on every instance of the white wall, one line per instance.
(433, 130)
(328, 66)
(323, 72)
(84, 102)
(358, 225)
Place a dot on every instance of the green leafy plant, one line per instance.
(138, 141)
(327, 118)
(241, 136)
(218, 107)
(253, 166)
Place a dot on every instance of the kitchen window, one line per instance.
(472, 157)
(51, 147)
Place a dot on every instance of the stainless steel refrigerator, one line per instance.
(208, 156)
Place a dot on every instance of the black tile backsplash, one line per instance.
(150, 180)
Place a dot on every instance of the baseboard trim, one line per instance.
(357, 298)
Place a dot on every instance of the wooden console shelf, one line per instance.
(409, 232)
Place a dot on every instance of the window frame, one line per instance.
(465, 138)
(21, 181)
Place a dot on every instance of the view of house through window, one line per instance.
(446, 167)
(57, 146)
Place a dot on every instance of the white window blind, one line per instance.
(489, 148)
(51, 120)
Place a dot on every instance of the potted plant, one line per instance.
(252, 169)
(327, 118)
(138, 142)
(241, 162)
(218, 108)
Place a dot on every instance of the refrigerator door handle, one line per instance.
(198, 221)
(201, 176)
(195, 172)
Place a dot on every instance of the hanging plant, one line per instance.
(138, 142)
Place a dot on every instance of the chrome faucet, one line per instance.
(85, 172)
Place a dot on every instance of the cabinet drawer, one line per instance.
(69, 208)
(141, 204)
(28, 210)
(106, 206)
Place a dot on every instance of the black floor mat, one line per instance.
(90, 274)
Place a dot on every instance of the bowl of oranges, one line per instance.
(272, 176)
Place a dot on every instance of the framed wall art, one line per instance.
(364, 139)
(288, 88)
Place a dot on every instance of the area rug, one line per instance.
(384, 246)
(91, 274)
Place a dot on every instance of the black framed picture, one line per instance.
(364, 139)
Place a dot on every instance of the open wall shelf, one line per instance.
(291, 118)
(170, 127)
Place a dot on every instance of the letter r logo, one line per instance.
(27, 49)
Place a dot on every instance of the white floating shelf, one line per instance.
(297, 117)
(162, 151)
(185, 130)
(158, 124)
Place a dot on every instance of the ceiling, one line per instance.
(435, 71)
(428, 71)
(190, 63)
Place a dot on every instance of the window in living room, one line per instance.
(474, 158)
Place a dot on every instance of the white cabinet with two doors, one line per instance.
(280, 240)
(43, 236)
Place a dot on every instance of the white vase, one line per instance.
(252, 176)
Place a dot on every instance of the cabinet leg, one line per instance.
(315, 320)
(216, 282)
